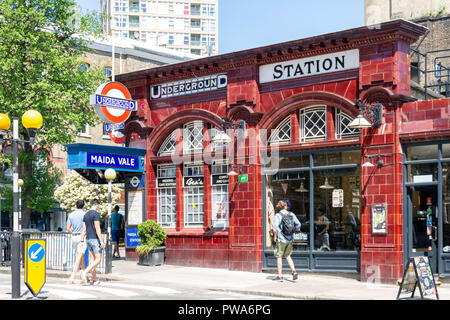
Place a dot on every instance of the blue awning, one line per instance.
(91, 161)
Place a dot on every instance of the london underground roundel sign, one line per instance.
(112, 102)
(114, 132)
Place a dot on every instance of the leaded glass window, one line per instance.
(219, 193)
(193, 196)
(282, 133)
(193, 137)
(167, 209)
(313, 123)
(168, 147)
(342, 122)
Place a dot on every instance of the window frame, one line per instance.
(304, 131)
(191, 147)
(162, 172)
(342, 130)
(193, 195)
(219, 191)
(275, 135)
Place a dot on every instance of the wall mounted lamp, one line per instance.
(368, 164)
(222, 137)
(233, 172)
(373, 113)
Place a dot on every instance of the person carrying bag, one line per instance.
(285, 225)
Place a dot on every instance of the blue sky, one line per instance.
(246, 24)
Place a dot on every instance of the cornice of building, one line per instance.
(396, 30)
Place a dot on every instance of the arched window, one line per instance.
(168, 147)
(342, 122)
(282, 133)
(193, 137)
(313, 123)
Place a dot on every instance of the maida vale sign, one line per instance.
(112, 160)
(327, 63)
(189, 86)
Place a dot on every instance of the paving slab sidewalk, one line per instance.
(308, 286)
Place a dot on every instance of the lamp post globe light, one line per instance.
(5, 123)
(31, 120)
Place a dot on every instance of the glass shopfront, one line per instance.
(427, 203)
(323, 191)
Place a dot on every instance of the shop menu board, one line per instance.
(135, 206)
(418, 273)
(425, 276)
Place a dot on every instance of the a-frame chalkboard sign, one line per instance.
(418, 274)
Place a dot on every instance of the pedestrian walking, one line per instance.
(285, 224)
(116, 229)
(74, 227)
(321, 225)
(93, 235)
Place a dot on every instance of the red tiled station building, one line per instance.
(302, 95)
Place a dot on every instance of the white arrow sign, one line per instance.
(33, 255)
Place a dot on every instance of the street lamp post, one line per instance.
(31, 120)
(110, 175)
(20, 183)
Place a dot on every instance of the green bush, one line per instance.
(152, 235)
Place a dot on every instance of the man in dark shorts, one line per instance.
(94, 241)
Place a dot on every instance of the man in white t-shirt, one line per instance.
(74, 227)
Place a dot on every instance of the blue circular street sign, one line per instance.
(36, 252)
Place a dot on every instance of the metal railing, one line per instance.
(60, 254)
(438, 69)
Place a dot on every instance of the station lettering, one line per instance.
(333, 62)
(293, 70)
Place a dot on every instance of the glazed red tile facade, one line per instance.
(382, 76)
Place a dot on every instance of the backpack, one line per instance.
(287, 224)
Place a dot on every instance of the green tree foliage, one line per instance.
(45, 178)
(43, 182)
(42, 43)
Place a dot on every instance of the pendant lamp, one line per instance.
(326, 185)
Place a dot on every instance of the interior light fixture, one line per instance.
(301, 188)
(326, 185)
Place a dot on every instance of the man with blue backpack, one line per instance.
(285, 224)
